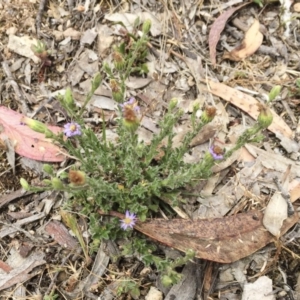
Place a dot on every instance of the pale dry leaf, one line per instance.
(22, 46)
(89, 36)
(290, 145)
(252, 41)
(261, 289)
(247, 103)
(276, 212)
(105, 39)
(103, 102)
(216, 29)
(137, 82)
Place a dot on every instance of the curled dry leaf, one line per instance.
(223, 240)
(276, 212)
(27, 142)
(216, 29)
(252, 41)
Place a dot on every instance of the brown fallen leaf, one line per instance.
(252, 41)
(216, 29)
(223, 240)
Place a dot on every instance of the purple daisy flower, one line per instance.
(129, 220)
(72, 129)
(216, 152)
(131, 104)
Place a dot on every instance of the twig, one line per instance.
(38, 19)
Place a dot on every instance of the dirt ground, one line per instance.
(205, 52)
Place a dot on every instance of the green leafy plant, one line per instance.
(128, 175)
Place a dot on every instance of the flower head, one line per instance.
(72, 129)
(265, 116)
(208, 114)
(119, 61)
(117, 93)
(216, 152)
(77, 177)
(129, 220)
(131, 114)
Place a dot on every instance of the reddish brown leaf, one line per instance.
(61, 235)
(27, 142)
(223, 240)
(216, 29)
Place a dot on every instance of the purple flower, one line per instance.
(128, 221)
(130, 104)
(216, 152)
(72, 129)
(131, 114)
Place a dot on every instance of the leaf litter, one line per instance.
(246, 181)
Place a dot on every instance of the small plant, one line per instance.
(128, 175)
(42, 53)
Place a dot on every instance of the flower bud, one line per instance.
(117, 93)
(47, 182)
(107, 68)
(34, 125)
(274, 92)
(48, 169)
(265, 116)
(216, 152)
(166, 280)
(57, 184)
(49, 134)
(96, 81)
(24, 184)
(208, 114)
(68, 98)
(173, 103)
(119, 61)
(118, 96)
(146, 26)
(131, 114)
